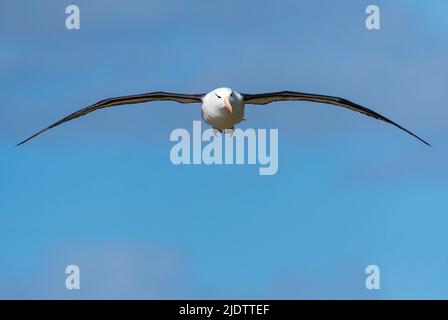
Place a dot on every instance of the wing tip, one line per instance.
(32, 137)
(23, 142)
(412, 134)
(427, 143)
(416, 136)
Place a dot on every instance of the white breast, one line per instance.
(218, 116)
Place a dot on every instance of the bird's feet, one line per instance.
(229, 131)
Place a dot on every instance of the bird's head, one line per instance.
(222, 98)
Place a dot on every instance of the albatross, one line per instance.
(223, 108)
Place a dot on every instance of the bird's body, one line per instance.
(223, 108)
(215, 113)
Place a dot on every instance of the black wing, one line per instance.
(265, 98)
(111, 102)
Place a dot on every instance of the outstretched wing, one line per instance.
(265, 98)
(111, 102)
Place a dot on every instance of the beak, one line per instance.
(227, 104)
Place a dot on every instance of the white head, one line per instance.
(223, 98)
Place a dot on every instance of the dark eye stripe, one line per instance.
(218, 96)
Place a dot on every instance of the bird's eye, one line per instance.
(218, 96)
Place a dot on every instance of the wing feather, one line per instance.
(117, 101)
(265, 98)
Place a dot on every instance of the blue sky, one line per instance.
(101, 192)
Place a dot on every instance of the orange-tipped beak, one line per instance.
(227, 104)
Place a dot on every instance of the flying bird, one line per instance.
(223, 108)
